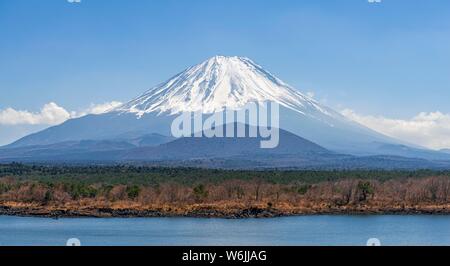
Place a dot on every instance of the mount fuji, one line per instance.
(140, 128)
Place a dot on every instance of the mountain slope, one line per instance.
(445, 151)
(217, 83)
(179, 149)
(215, 147)
(211, 86)
(233, 153)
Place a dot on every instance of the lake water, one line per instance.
(300, 230)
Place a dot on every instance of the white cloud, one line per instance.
(97, 109)
(102, 108)
(431, 129)
(50, 114)
(426, 129)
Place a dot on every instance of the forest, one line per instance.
(192, 191)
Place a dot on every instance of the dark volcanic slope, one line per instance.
(292, 152)
(194, 148)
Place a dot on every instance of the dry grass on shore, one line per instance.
(422, 195)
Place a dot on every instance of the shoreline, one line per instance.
(244, 213)
(130, 191)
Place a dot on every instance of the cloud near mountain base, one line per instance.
(50, 114)
(430, 130)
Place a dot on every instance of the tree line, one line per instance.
(153, 186)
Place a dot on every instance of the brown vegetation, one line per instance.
(229, 198)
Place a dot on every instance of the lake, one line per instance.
(299, 230)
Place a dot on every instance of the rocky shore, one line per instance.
(208, 212)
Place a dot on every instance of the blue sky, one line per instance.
(390, 59)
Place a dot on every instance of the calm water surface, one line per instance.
(301, 230)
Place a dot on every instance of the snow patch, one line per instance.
(218, 83)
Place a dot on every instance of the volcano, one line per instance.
(212, 86)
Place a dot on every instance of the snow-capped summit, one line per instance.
(219, 82)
